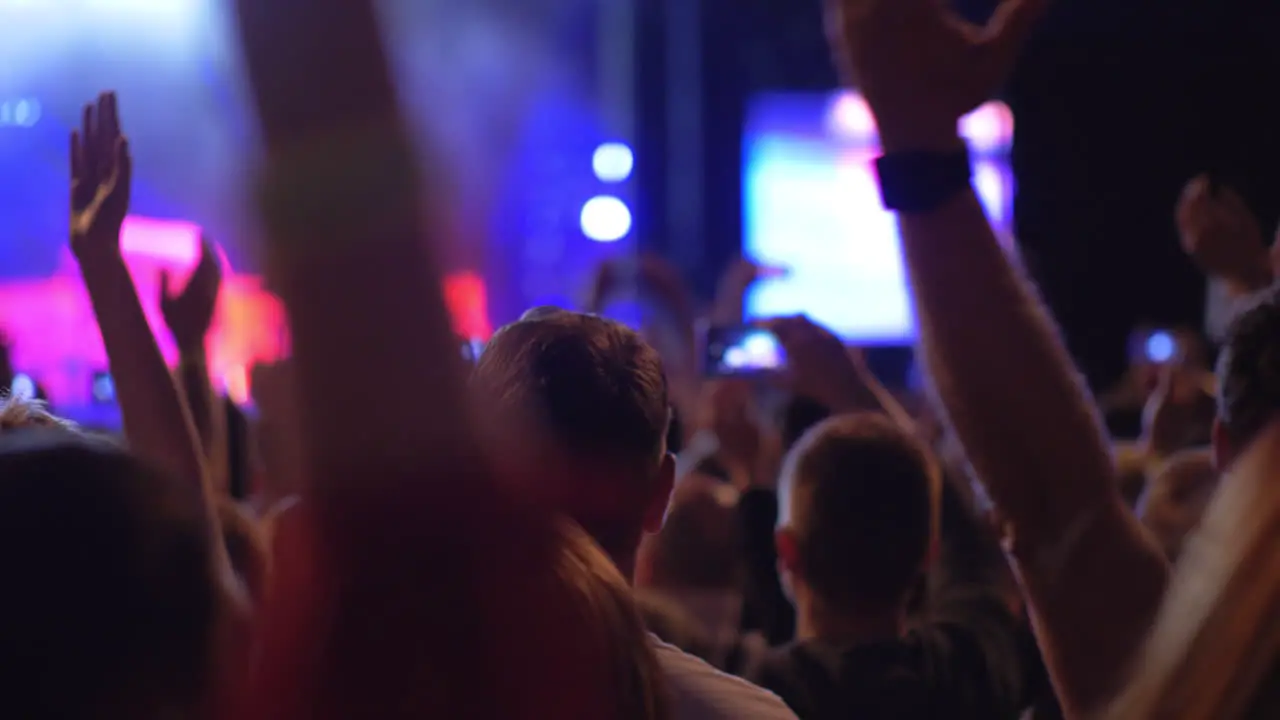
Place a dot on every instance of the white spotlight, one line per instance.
(605, 219)
(613, 162)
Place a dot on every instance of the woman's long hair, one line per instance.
(608, 604)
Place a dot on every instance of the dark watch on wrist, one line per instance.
(918, 181)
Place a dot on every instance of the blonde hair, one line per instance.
(20, 413)
(608, 605)
(1217, 636)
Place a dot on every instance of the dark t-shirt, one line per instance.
(965, 663)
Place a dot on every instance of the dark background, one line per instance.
(1117, 104)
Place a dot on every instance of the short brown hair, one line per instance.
(598, 391)
(597, 385)
(861, 496)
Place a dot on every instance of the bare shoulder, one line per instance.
(701, 692)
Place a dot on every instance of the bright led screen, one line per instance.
(812, 207)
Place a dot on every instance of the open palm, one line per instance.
(189, 313)
(101, 173)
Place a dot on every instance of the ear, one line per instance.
(788, 549)
(664, 484)
(784, 540)
(1220, 446)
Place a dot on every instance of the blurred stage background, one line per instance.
(596, 129)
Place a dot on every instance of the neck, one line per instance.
(815, 622)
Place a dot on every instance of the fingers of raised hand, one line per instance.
(105, 134)
(790, 331)
(1231, 204)
(81, 185)
(122, 170)
(77, 156)
(89, 146)
(108, 120)
(1002, 40)
(97, 149)
(1195, 194)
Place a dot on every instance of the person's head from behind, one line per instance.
(112, 603)
(596, 392)
(858, 514)
(1248, 377)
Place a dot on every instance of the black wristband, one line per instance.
(920, 181)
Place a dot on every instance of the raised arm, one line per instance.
(821, 368)
(350, 243)
(1222, 235)
(1016, 403)
(189, 315)
(157, 424)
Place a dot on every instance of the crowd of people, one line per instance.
(578, 524)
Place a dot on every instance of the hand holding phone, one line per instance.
(741, 350)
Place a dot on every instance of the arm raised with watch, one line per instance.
(1008, 387)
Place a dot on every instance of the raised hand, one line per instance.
(1222, 236)
(735, 282)
(921, 68)
(189, 313)
(101, 174)
(1173, 413)
(818, 364)
(820, 367)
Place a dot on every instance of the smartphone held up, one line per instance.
(741, 350)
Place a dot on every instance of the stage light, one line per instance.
(236, 382)
(21, 112)
(605, 219)
(1161, 347)
(613, 162)
(849, 117)
(989, 128)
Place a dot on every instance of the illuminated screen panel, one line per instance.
(812, 206)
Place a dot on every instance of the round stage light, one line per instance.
(605, 219)
(613, 162)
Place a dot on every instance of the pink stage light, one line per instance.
(987, 129)
(850, 118)
(467, 298)
(171, 242)
(55, 336)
